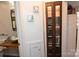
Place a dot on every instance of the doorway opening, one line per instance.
(8, 31)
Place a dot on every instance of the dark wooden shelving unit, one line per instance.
(54, 28)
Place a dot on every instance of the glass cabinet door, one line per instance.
(57, 25)
(53, 26)
(49, 30)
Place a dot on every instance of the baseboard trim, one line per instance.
(77, 54)
(64, 54)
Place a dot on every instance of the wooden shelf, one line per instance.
(9, 44)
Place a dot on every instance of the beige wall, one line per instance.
(5, 20)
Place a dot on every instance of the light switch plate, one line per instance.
(30, 18)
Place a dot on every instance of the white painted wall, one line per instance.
(68, 28)
(31, 36)
(77, 49)
(71, 39)
(64, 29)
(45, 31)
(76, 4)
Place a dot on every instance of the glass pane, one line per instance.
(49, 9)
(57, 31)
(57, 11)
(49, 21)
(57, 19)
(50, 42)
(57, 15)
(50, 38)
(57, 41)
(57, 37)
(49, 32)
